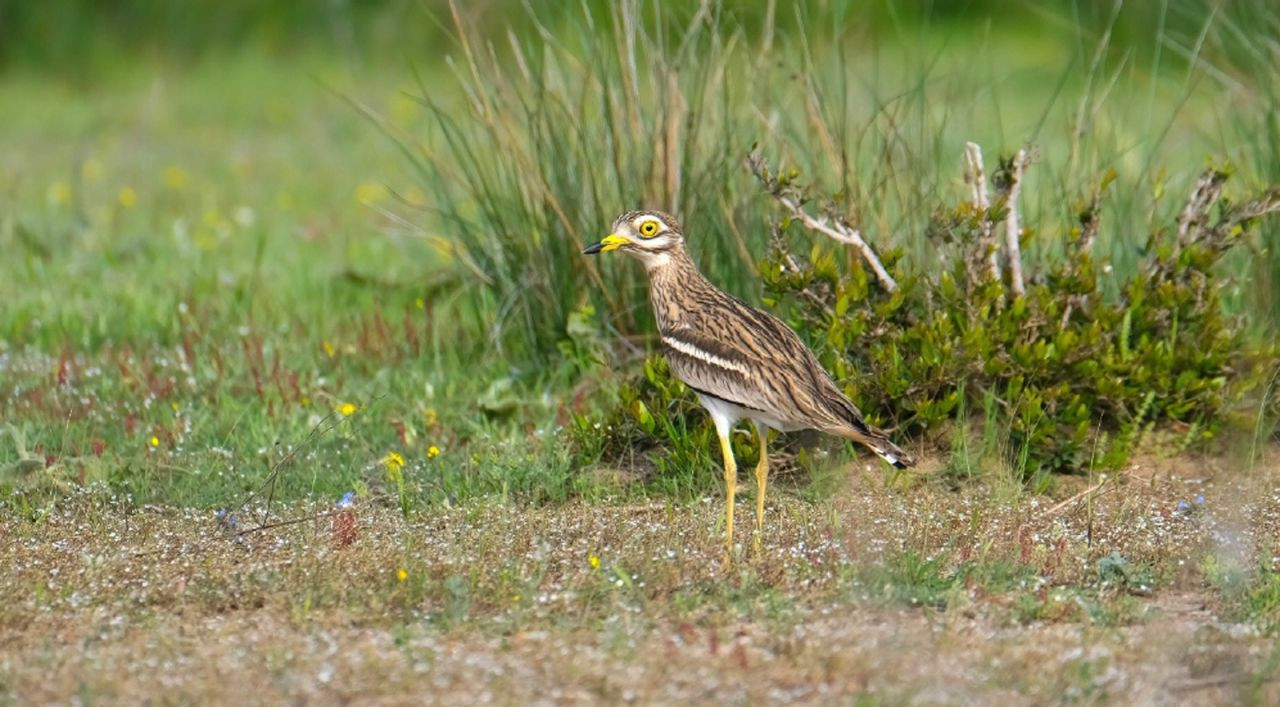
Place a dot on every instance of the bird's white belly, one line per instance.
(726, 414)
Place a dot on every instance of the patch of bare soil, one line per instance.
(898, 654)
(631, 602)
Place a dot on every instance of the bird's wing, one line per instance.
(834, 401)
(752, 358)
(714, 367)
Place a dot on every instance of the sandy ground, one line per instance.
(257, 656)
(632, 602)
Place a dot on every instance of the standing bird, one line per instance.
(741, 362)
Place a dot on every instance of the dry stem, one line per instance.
(1011, 227)
(976, 176)
(830, 226)
(1268, 203)
(1195, 215)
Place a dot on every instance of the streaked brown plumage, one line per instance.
(741, 361)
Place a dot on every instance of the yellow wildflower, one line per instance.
(328, 349)
(347, 409)
(155, 441)
(393, 461)
(370, 193)
(175, 177)
(91, 169)
(128, 197)
(59, 193)
(402, 574)
(593, 561)
(430, 417)
(433, 451)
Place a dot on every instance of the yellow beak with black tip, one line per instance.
(606, 244)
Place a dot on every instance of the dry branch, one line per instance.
(1195, 215)
(1011, 226)
(975, 175)
(1067, 502)
(1268, 203)
(829, 225)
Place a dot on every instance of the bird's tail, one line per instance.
(876, 441)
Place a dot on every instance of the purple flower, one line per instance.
(226, 520)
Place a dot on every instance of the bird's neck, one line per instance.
(659, 260)
(668, 278)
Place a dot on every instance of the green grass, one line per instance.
(200, 258)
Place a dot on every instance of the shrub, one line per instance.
(1076, 372)
(1079, 366)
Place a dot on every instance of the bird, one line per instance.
(740, 361)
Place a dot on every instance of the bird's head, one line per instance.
(647, 235)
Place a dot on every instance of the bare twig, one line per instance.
(1196, 231)
(1011, 227)
(1220, 680)
(1067, 502)
(1268, 203)
(976, 177)
(1195, 215)
(320, 429)
(284, 523)
(841, 232)
(828, 225)
(1068, 310)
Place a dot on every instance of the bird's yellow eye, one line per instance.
(649, 229)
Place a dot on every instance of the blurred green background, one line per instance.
(81, 38)
(249, 104)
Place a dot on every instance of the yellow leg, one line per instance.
(762, 481)
(730, 487)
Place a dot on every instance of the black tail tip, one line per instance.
(897, 458)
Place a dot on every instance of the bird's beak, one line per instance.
(606, 244)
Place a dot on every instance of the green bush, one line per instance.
(1076, 372)
(1079, 366)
